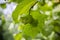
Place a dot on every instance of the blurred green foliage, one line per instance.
(35, 19)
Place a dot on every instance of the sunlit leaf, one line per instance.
(21, 8)
(17, 1)
(18, 36)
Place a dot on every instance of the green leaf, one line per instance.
(40, 18)
(47, 30)
(45, 7)
(21, 8)
(30, 30)
(56, 24)
(57, 29)
(17, 1)
(3, 20)
(35, 27)
(37, 15)
(3, 5)
(18, 36)
(26, 19)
